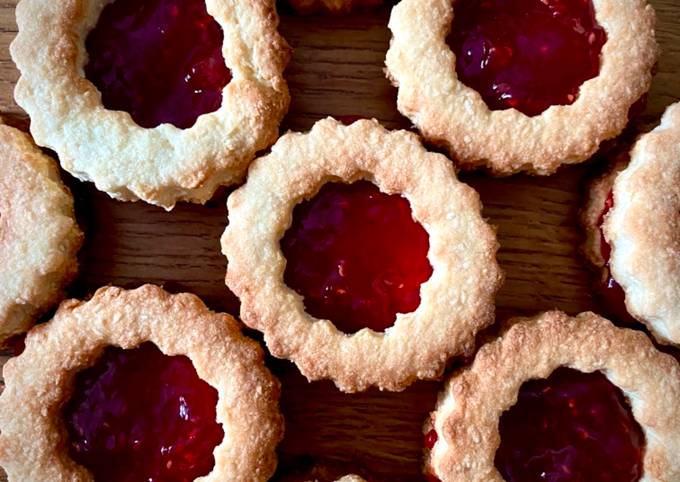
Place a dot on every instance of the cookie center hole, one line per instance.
(159, 60)
(571, 426)
(356, 256)
(526, 54)
(141, 415)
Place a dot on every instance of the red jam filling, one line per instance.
(526, 54)
(431, 438)
(570, 427)
(139, 415)
(349, 119)
(611, 292)
(159, 60)
(356, 256)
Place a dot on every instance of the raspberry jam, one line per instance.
(610, 291)
(159, 60)
(526, 54)
(356, 256)
(431, 438)
(570, 427)
(139, 415)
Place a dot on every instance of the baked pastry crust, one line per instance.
(598, 191)
(165, 164)
(39, 236)
(468, 410)
(40, 380)
(455, 117)
(643, 229)
(333, 6)
(456, 302)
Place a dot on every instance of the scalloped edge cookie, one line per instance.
(455, 117)
(165, 164)
(39, 234)
(456, 302)
(468, 410)
(643, 229)
(40, 380)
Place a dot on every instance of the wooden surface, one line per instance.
(337, 69)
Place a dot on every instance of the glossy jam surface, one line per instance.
(610, 291)
(526, 54)
(159, 60)
(139, 415)
(356, 256)
(431, 438)
(570, 427)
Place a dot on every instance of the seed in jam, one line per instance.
(139, 415)
(356, 256)
(526, 54)
(570, 427)
(159, 60)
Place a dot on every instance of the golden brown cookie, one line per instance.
(61, 401)
(390, 194)
(504, 139)
(39, 236)
(118, 106)
(639, 214)
(536, 365)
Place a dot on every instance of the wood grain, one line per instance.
(337, 69)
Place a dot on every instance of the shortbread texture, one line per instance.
(40, 381)
(451, 115)
(39, 235)
(165, 164)
(643, 229)
(470, 406)
(456, 302)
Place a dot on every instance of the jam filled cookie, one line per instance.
(632, 220)
(139, 385)
(333, 6)
(39, 236)
(520, 85)
(163, 100)
(360, 256)
(560, 399)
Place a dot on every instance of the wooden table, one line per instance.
(337, 69)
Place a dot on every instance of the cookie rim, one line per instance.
(39, 381)
(652, 288)
(455, 117)
(165, 164)
(596, 195)
(39, 234)
(534, 348)
(449, 210)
